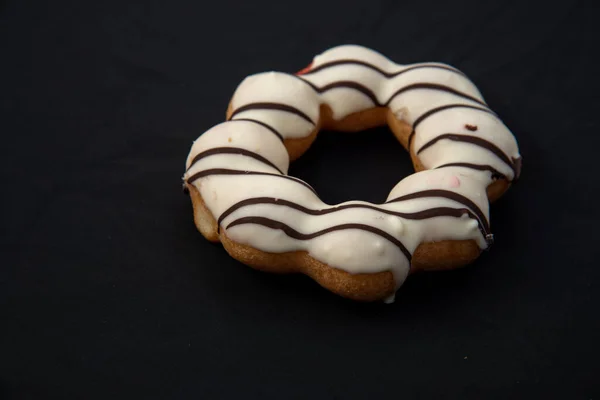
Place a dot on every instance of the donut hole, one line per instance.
(344, 166)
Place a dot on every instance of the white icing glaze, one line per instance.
(245, 135)
(275, 87)
(289, 105)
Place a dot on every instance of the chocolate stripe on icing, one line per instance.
(377, 69)
(434, 86)
(436, 110)
(309, 83)
(369, 93)
(342, 84)
(294, 234)
(271, 106)
(480, 167)
(350, 85)
(269, 127)
(233, 150)
(224, 171)
(448, 195)
(474, 140)
(419, 215)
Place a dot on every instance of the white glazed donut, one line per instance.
(243, 197)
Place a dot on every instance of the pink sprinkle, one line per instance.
(454, 182)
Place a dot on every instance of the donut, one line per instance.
(435, 219)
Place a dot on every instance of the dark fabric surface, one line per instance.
(108, 291)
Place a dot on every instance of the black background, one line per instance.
(108, 291)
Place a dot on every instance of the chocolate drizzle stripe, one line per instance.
(419, 215)
(377, 69)
(480, 167)
(434, 86)
(271, 106)
(448, 195)
(474, 140)
(294, 234)
(233, 150)
(369, 93)
(436, 110)
(350, 85)
(309, 83)
(225, 171)
(269, 127)
(477, 141)
(342, 84)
